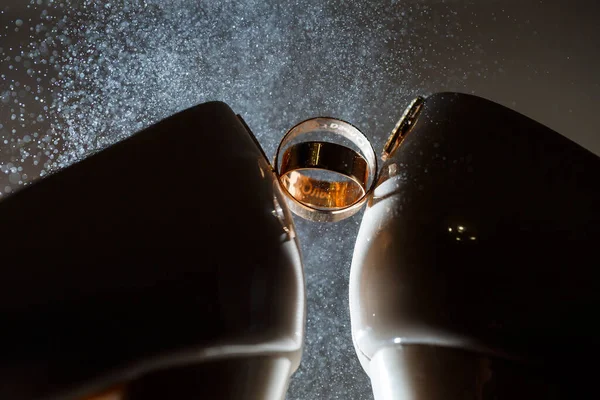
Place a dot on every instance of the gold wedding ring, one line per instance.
(318, 199)
(403, 127)
(325, 156)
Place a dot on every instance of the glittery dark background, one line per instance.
(78, 75)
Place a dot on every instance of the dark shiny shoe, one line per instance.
(475, 272)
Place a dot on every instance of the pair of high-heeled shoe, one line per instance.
(167, 266)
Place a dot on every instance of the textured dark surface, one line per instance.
(76, 76)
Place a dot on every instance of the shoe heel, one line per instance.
(417, 372)
(252, 378)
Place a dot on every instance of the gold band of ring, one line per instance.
(403, 127)
(321, 200)
(324, 156)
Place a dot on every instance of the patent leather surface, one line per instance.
(482, 235)
(170, 248)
